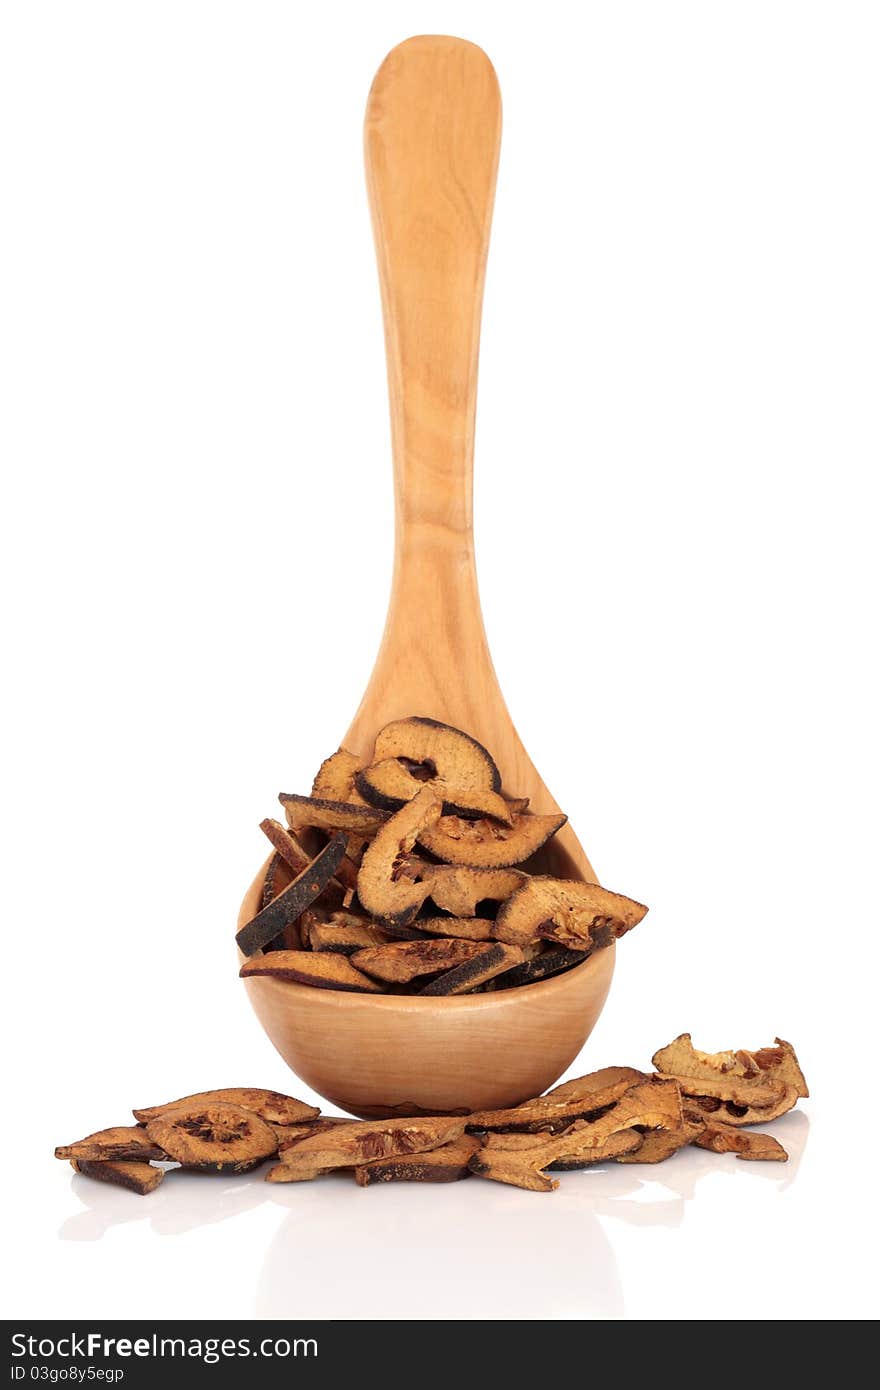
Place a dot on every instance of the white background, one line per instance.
(676, 456)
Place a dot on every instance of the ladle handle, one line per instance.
(432, 135)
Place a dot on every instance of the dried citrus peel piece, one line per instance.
(272, 1106)
(448, 1163)
(119, 1142)
(722, 1138)
(213, 1137)
(350, 1145)
(284, 910)
(487, 844)
(560, 1108)
(777, 1064)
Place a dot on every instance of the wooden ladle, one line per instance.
(432, 137)
(433, 130)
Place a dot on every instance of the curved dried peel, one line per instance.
(323, 969)
(216, 1137)
(449, 753)
(272, 1106)
(335, 778)
(119, 1142)
(386, 887)
(580, 916)
(390, 783)
(488, 844)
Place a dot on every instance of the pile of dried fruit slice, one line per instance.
(618, 1115)
(405, 875)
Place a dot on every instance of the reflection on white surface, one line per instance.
(470, 1249)
(184, 1202)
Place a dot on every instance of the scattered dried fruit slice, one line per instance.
(725, 1139)
(335, 778)
(346, 937)
(624, 1142)
(468, 928)
(585, 1095)
(449, 1163)
(323, 969)
(214, 1136)
(386, 886)
(315, 812)
(120, 1142)
(390, 784)
(350, 1145)
(271, 920)
(403, 961)
(137, 1177)
(542, 966)
(779, 1063)
(490, 960)
(651, 1105)
(272, 1106)
(581, 916)
(444, 752)
(487, 844)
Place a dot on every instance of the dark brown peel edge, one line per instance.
(462, 977)
(141, 1178)
(271, 920)
(542, 967)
